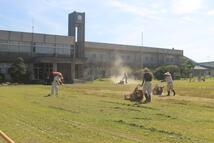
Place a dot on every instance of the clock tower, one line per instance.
(76, 28)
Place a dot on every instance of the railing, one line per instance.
(5, 137)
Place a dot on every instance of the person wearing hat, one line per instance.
(169, 81)
(55, 84)
(147, 85)
(125, 78)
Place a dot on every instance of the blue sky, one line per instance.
(179, 24)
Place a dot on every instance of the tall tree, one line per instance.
(18, 70)
(186, 66)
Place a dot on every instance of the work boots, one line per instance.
(168, 93)
(173, 92)
(148, 98)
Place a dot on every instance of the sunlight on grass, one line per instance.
(96, 112)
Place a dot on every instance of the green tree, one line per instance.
(186, 66)
(18, 70)
(159, 72)
(2, 78)
(173, 69)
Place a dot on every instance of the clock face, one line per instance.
(79, 17)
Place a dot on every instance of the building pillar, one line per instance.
(72, 72)
(54, 67)
(80, 71)
(30, 68)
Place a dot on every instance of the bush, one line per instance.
(159, 72)
(2, 78)
(18, 70)
(173, 69)
(186, 67)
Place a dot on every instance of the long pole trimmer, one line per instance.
(5, 137)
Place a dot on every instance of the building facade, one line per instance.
(73, 56)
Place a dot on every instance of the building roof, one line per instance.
(207, 64)
(198, 67)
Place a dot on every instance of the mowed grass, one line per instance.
(95, 112)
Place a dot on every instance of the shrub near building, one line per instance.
(18, 70)
(173, 69)
(2, 78)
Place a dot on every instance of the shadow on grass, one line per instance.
(63, 109)
(165, 116)
(130, 109)
(131, 105)
(208, 106)
(175, 101)
(47, 95)
(143, 118)
(155, 130)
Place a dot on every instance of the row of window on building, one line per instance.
(40, 48)
(126, 58)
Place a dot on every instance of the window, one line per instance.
(167, 59)
(3, 45)
(3, 41)
(25, 47)
(128, 57)
(94, 56)
(101, 56)
(14, 46)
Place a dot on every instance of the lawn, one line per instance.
(95, 112)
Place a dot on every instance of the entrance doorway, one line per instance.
(42, 70)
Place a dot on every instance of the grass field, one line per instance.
(95, 112)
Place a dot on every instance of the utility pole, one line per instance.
(32, 26)
(141, 58)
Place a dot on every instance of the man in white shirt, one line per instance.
(55, 85)
(169, 81)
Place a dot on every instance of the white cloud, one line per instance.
(186, 6)
(186, 19)
(197, 50)
(163, 11)
(133, 9)
(211, 29)
(211, 13)
(128, 8)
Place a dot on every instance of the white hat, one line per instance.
(167, 73)
(146, 69)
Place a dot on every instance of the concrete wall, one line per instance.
(102, 57)
(27, 44)
(130, 55)
(128, 48)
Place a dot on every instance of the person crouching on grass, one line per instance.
(169, 81)
(55, 84)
